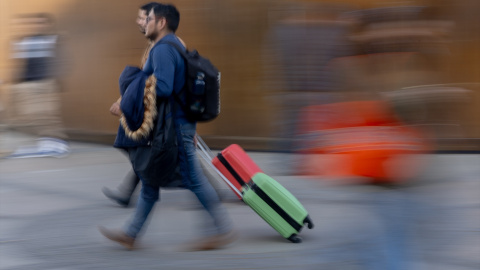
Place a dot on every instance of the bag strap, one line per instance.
(181, 50)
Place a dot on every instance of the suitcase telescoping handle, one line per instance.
(207, 155)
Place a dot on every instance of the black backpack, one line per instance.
(202, 86)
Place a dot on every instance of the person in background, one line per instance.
(36, 92)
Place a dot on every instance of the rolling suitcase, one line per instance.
(236, 166)
(268, 198)
(277, 206)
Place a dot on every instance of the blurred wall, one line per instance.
(100, 37)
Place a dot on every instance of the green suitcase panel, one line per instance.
(281, 196)
(277, 206)
(267, 213)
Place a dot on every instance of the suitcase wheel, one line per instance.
(309, 222)
(295, 239)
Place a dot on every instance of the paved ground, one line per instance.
(50, 209)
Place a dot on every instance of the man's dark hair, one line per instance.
(148, 7)
(170, 13)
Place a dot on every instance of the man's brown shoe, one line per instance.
(214, 242)
(118, 236)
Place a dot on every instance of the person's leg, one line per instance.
(38, 110)
(48, 111)
(22, 118)
(23, 95)
(124, 191)
(48, 120)
(196, 181)
(127, 237)
(390, 245)
(147, 199)
(223, 191)
(396, 212)
(128, 185)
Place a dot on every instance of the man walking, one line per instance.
(123, 193)
(168, 67)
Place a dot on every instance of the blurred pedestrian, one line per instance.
(36, 91)
(391, 245)
(123, 193)
(168, 67)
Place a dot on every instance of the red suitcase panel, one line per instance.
(236, 166)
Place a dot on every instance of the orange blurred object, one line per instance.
(359, 138)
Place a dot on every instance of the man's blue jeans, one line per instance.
(193, 178)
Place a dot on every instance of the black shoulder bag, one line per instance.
(155, 164)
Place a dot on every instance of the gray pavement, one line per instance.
(50, 209)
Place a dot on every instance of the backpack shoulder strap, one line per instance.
(183, 53)
(181, 50)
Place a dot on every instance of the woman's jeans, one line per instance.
(193, 178)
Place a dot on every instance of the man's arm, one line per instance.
(164, 68)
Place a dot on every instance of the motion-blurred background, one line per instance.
(278, 59)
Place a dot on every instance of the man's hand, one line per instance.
(115, 109)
